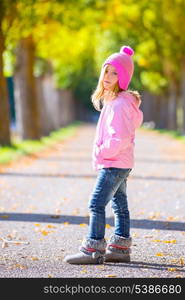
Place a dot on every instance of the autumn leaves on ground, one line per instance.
(44, 215)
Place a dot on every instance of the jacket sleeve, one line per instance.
(119, 132)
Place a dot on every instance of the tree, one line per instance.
(4, 104)
(27, 108)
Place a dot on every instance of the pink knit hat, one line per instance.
(124, 65)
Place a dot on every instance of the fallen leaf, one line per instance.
(110, 275)
(34, 258)
(22, 267)
(156, 241)
(174, 261)
(170, 218)
(37, 224)
(4, 245)
(164, 241)
(170, 242)
(82, 224)
(172, 269)
(140, 213)
(4, 216)
(55, 216)
(65, 198)
(159, 254)
(84, 271)
(154, 216)
(101, 266)
(107, 226)
(66, 223)
(14, 241)
(44, 232)
(135, 234)
(51, 226)
(75, 212)
(14, 207)
(182, 261)
(12, 235)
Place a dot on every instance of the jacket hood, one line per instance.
(134, 101)
(134, 98)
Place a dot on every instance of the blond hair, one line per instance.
(98, 97)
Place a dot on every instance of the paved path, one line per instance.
(43, 206)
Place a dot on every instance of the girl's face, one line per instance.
(110, 77)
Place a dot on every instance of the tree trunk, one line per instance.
(160, 111)
(163, 114)
(26, 102)
(172, 107)
(5, 136)
(182, 98)
(148, 106)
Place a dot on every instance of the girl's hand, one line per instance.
(97, 150)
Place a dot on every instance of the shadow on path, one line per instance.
(146, 265)
(64, 175)
(49, 218)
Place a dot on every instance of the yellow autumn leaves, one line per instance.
(4, 216)
(86, 270)
(165, 241)
(44, 229)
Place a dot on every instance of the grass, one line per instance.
(175, 134)
(27, 147)
(172, 133)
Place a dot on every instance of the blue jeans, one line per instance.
(110, 185)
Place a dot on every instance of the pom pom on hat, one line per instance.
(127, 50)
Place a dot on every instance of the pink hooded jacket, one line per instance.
(115, 133)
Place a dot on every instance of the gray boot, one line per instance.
(118, 249)
(91, 252)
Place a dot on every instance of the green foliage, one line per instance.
(75, 37)
(153, 81)
(27, 147)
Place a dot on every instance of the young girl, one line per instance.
(113, 157)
